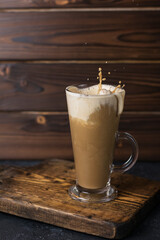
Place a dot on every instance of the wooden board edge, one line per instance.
(40, 215)
(141, 214)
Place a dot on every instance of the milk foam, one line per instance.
(82, 102)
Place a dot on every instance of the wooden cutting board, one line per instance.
(41, 193)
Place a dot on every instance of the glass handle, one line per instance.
(133, 157)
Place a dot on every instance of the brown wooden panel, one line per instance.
(41, 87)
(44, 135)
(80, 35)
(76, 3)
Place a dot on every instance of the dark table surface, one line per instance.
(16, 228)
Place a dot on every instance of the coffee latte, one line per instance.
(94, 119)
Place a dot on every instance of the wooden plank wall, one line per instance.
(47, 45)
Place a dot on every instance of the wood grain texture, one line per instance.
(103, 35)
(41, 86)
(76, 3)
(40, 135)
(41, 193)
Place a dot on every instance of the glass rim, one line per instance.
(91, 96)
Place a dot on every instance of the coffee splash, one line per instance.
(101, 79)
(118, 86)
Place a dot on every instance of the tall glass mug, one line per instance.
(94, 121)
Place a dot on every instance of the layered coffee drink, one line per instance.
(94, 118)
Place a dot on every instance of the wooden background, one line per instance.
(46, 45)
